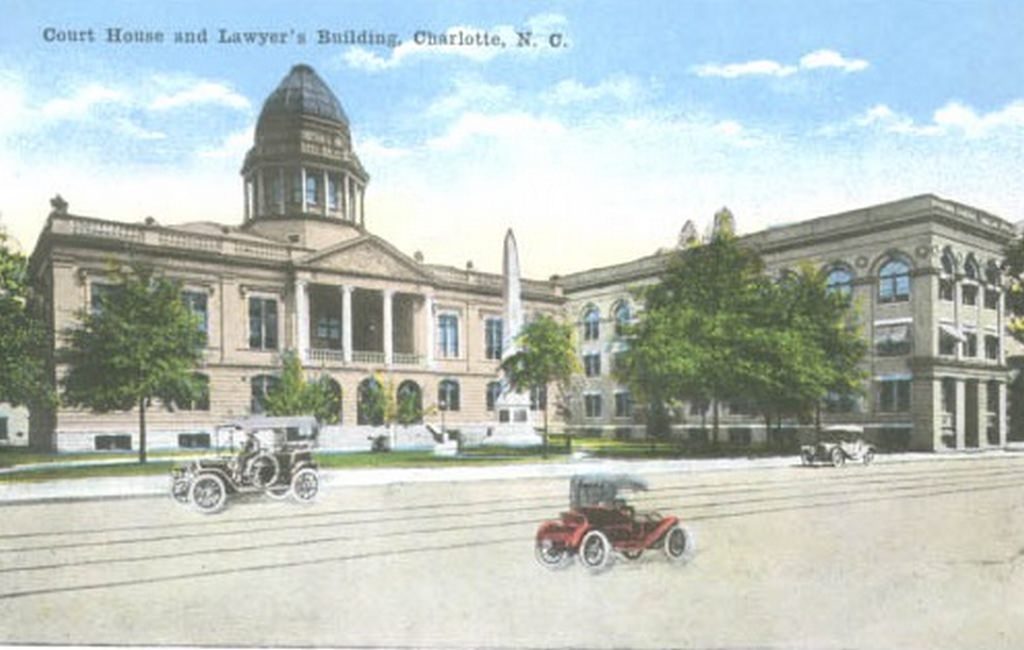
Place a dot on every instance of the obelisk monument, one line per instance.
(515, 425)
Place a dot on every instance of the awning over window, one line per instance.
(952, 331)
(892, 334)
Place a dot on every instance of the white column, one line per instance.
(327, 188)
(428, 313)
(1001, 415)
(362, 212)
(389, 335)
(302, 188)
(957, 318)
(961, 413)
(282, 189)
(346, 209)
(302, 319)
(1000, 331)
(261, 190)
(346, 323)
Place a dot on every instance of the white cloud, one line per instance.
(233, 147)
(82, 102)
(470, 94)
(201, 93)
(133, 130)
(816, 60)
(571, 91)
(831, 59)
(455, 44)
(954, 118)
(504, 126)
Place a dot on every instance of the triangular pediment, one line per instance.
(365, 255)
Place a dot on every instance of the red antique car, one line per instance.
(600, 524)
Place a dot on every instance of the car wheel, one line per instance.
(305, 485)
(680, 544)
(595, 551)
(552, 556)
(807, 457)
(838, 457)
(180, 490)
(209, 495)
(869, 456)
(263, 470)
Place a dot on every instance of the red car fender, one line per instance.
(660, 530)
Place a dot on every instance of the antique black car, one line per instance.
(600, 524)
(836, 445)
(265, 455)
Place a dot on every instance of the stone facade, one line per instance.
(303, 273)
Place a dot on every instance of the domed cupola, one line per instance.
(302, 164)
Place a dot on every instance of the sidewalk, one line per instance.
(158, 486)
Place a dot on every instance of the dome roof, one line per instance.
(303, 92)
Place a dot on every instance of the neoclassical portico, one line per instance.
(344, 324)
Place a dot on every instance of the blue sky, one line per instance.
(596, 152)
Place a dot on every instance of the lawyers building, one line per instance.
(302, 271)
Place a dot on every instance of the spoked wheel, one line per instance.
(209, 495)
(263, 470)
(680, 544)
(180, 489)
(595, 551)
(869, 456)
(305, 485)
(838, 457)
(552, 556)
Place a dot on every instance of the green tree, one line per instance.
(294, 395)
(699, 326)
(141, 343)
(546, 355)
(23, 335)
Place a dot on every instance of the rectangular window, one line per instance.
(991, 299)
(892, 340)
(894, 396)
(448, 335)
(332, 192)
(539, 399)
(592, 364)
(327, 331)
(312, 189)
(992, 397)
(970, 344)
(623, 405)
(196, 301)
(118, 442)
(991, 347)
(262, 323)
(948, 340)
(592, 405)
(836, 402)
(296, 188)
(945, 289)
(969, 294)
(98, 293)
(194, 440)
(492, 338)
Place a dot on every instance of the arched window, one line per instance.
(410, 402)
(493, 393)
(946, 279)
(591, 324)
(894, 281)
(334, 391)
(971, 268)
(259, 387)
(948, 261)
(448, 395)
(622, 316)
(370, 402)
(839, 281)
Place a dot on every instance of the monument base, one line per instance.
(512, 434)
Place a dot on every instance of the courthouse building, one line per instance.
(302, 271)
